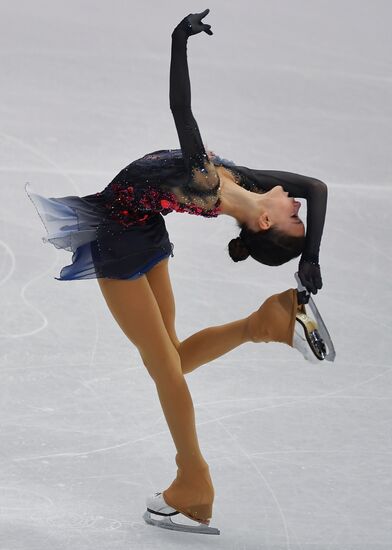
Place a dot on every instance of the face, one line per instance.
(282, 212)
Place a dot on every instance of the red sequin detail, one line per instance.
(128, 205)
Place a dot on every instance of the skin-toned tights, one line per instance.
(136, 310)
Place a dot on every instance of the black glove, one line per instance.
(309, 273)
(192, 24)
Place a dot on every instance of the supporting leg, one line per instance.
(134, 307)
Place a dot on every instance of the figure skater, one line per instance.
(118, 236)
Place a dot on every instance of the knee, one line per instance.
(150, 368)
(167, 370)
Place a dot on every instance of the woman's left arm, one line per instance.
(309, 267)
(315, 192)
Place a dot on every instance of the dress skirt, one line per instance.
(101, 247)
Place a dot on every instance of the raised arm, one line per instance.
(202, 173)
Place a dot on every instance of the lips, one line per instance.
(297, 206)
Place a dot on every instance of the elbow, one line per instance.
(320, 185)
(324, 189)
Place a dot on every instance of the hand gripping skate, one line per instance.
(157, 505)
(315, 331)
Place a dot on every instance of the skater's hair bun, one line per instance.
(269, 247)
(238, 250)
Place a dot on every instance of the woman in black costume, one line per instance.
(118, 236)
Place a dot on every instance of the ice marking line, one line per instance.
(294, 402)
(86, 383)
(36, 309)
(306, 397)
(93, 451)
(22, 295)
(13, 262)
(30, 367)
(26, 491)
(267, 398)
(203, 423)
(267, 484)
(40, 155)
(17, 424)
(362, 243)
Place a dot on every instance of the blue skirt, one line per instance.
(101, 247)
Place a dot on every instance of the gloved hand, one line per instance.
(309, 273)
(192, 24)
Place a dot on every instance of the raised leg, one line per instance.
(212, 342)
(273, 321)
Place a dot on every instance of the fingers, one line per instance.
(314, 286)
(310, 277)
(195, 24)
(310, 288)
(206, 28)
(310, 284)
(318, 284)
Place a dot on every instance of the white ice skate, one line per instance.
(311, 336)
(156, 505)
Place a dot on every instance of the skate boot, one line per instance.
(157, 506)
(275, 319)
(190, 494)
(281, 319)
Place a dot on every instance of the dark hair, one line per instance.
(269, 247)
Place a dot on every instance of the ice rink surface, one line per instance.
(300, 455)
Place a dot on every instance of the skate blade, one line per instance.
(307, 339)
(168, 523)
(322, 331)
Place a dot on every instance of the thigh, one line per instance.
(159, 280)
(134, 307)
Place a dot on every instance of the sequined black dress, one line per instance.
(120, 231)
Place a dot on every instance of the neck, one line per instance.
(237, 202)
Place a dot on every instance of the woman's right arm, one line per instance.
(201, 171)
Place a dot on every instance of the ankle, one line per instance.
(251, 328)
(274, 321)
(246, 330)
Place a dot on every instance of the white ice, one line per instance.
(300, 455)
